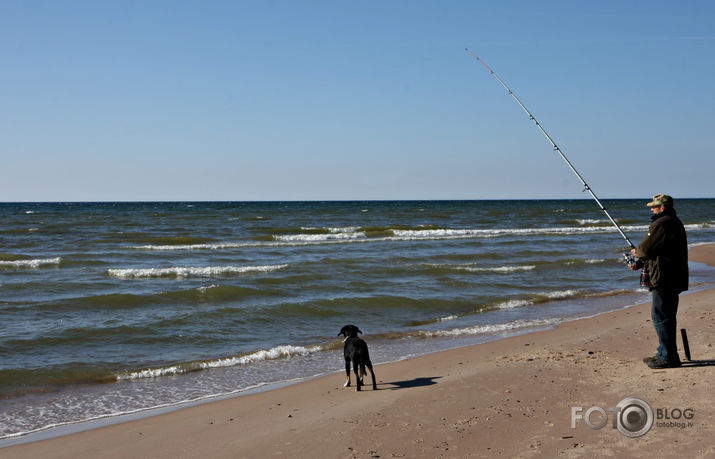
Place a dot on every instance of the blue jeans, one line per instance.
(663, 312)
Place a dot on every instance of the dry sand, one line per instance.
(512, 397)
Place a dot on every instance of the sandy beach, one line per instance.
(507, 398)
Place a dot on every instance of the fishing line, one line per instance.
(556, 148)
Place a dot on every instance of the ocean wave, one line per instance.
(502, 269)
(165, 240)
(496, 232)
(538, 298)
(494, 328)
(216, 294)
(320, 237)
(346, 235)
(561, 294)
(471, 267)
(447, 233)
(588, 261)
(590, 221)
(334, 230)
(276, 353)
(36, 263)
(511, 304)
(213, 246)
(447, 318)
(180, 271)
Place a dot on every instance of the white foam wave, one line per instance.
(278, 352)
(557, 295)
(344, 235)
(699, 226)
(590, 221)
(336, 236)
(562, 294)
(472, 268)
(180, 271)
(284, 241)
(511, 304)
(342, 229)
(502, 269)
(31, 263)
(152, 373)
(496, 232)
(495, 328)
(447, 318)
(217, 246)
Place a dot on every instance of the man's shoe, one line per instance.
(657, 363)
(649, 359)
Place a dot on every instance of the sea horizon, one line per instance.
(130, 201)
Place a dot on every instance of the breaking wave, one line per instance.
(30, 263)
(278, 352)
(179, 271)
(321, 237)
(494, 328)
(346, 235)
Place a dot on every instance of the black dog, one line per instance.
(355, 351)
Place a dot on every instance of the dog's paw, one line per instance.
(347, 384)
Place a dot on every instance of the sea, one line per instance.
(117, 308)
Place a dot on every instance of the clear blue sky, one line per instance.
(286, 100)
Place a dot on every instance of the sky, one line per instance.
(334, 100)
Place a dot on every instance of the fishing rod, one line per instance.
(556, 148)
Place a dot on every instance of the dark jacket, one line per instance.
(665, 250)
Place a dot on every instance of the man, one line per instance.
(664, 254)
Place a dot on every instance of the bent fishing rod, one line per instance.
(556, 148)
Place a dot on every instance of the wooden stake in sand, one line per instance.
(686, 347)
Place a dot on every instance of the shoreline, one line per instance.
(454, 403)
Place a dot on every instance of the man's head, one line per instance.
(660, 203)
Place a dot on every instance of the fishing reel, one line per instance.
(629, 258)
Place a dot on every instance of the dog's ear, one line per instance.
(359, 331)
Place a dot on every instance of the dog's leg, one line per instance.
(356, 368)
(347, 372)
(372, 373)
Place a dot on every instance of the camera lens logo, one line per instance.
(635, 417)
